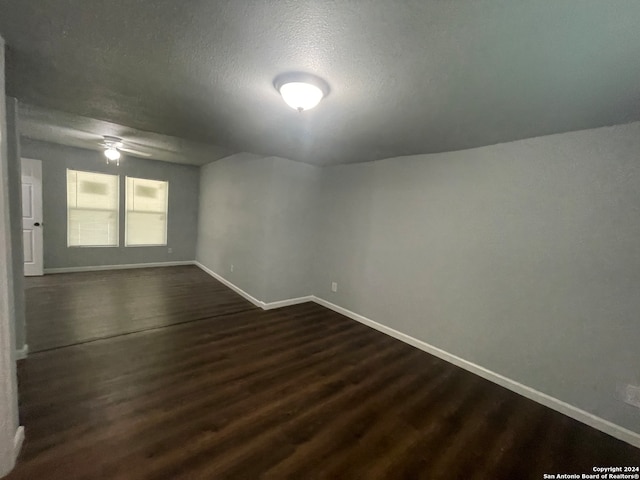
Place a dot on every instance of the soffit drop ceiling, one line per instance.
(83, 132)
(406, 77)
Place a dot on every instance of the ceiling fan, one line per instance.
(114, 145)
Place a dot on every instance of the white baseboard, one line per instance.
(258, 303)
(576, 413)
(220, 278)
(21, 353)
(18, 440)
(96, 268)
(287, 303)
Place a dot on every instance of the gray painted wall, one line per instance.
(257, 213)
(232, 224)
(291, 229)
(15, 214)
(183, 206)
(8, 381)
(523, 258)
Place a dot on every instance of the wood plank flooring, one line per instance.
(69, 308)
(209, 387)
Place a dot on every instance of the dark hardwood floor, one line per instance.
(70, 308)
(209, 387)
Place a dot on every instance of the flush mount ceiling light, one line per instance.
(301, 91)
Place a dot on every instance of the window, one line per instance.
(146, 222)
(92, 209)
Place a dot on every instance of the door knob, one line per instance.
(37, 224)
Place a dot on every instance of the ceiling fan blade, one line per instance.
(134, 152)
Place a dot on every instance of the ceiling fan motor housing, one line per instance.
(113, 142)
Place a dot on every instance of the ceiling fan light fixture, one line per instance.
(112, 153)
(301, 91)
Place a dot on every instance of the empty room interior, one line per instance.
(319, 240)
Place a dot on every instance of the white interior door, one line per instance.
(32, 216)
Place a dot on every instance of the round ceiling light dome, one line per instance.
(112, 153)
(301, 91)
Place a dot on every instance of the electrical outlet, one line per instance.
(631, 395)
(231, 267)
(334, 286)
(170, 250)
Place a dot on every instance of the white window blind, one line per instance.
(147, 202)
(92, 209)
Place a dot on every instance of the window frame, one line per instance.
(117, 210)
(126, 214)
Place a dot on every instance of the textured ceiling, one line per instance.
(406, 77)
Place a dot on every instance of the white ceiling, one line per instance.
(406, 77)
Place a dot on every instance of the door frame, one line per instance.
(11, 434)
